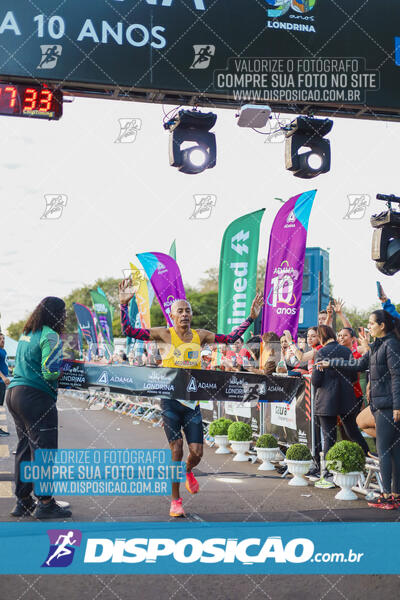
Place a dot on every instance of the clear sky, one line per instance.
(125, 198)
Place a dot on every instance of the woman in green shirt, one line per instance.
(31, 400)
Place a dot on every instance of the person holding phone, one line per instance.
(386, 303)
(313, 343)
(383, 362)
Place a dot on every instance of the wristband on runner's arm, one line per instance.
(127, 329)
(220, 338)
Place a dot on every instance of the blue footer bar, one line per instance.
(201, 548)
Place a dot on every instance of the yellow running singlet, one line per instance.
(184, 355)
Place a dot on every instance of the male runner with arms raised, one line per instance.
(180, 347)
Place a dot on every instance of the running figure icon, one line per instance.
(202, 56)
(62, 549)
(50, 56)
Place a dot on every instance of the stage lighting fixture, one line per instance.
(386, 237)
(308, 132)
(192, 126)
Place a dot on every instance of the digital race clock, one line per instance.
(33, 101)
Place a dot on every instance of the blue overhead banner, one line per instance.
(201, 548)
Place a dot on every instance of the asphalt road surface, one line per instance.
(229, 491)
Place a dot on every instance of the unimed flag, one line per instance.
(284, 273)
(238, 271)
(165, 277)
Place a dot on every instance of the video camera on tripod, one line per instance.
(386, 237)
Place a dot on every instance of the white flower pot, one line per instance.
(266, 455)
(346, 481)
(298, 468)
(222, 443)
(240, 448)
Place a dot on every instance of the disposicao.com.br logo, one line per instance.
(248, 551)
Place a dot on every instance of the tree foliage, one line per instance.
(209, 282)
(14, 330)
(358, 318)
(82, 296)
(204, 306)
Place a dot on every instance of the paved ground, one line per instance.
(229, 492)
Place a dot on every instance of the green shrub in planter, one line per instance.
(266, 441)
(345, 457)
(240, 432)
(298, 452)
(219, 427)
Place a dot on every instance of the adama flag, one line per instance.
(165, 277)
(285, 265)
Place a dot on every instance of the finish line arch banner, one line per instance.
(186, 384)
(340, 57)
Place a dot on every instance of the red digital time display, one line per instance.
(32, 101)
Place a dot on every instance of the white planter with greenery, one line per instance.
(346, 460)
(240, 449)
(240, 436)
(298, 468)
(222, 443)
(346, 481)
(219, 431)
(266, 448)
(298, 460)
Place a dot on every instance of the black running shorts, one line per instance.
(177, 416)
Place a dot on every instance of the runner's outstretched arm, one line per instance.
(208, 337)
(133, 332)
(125, 296)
